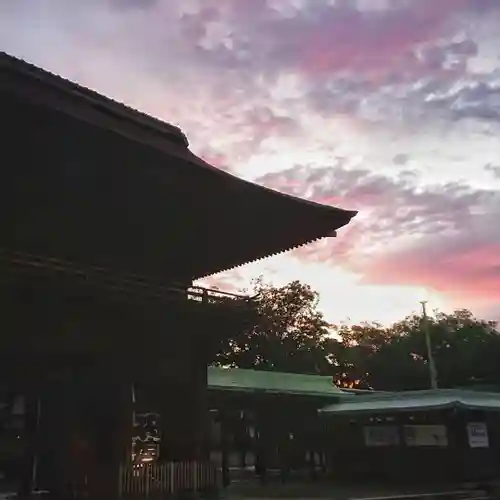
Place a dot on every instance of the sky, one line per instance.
(389, 107)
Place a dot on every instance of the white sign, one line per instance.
(426, 435)
(477, 433)
(381, 435)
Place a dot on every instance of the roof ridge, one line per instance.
(262, 381)
(30, 70)
(273, 372)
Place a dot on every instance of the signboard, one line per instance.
(477, 432)
(381, 435)
(426, 435)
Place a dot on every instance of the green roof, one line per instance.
(256, 381)
(438, 399)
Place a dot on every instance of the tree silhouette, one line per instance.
(465, 350)
(287, 333)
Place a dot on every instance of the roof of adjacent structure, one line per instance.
(155, 174)
(257, 381)
(438, 399)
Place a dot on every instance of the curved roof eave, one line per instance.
(266, 256)
(62, 84)
(307, 204)
(318, 220)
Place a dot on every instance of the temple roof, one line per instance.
(412, 401)
(121, 190)
(258, 381)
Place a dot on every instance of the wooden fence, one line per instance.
(169, 478)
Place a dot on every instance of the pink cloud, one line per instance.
(212, 66)
(355, 40)
(469, 278)
(200, 63)
(440, 237)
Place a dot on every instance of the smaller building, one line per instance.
(444, 435)
(268, 421)
(293, 424)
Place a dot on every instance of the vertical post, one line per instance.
(121, 476)
(57, 420)
(263, 444)
(171, 475)
(109, 426)
(430, 357)
(224, 442)
(456, 424)
(196, 471)
(31, 421)
(34, 474)
(242, 442)
(198, 432)
(147, 476)
(285, 444)
(402, 468)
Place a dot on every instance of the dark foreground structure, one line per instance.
(106, 218)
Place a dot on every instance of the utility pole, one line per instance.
(430, 357)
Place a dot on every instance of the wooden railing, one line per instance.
(21, 263)
(169, 478)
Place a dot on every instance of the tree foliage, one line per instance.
(465, 350)
(289, 334)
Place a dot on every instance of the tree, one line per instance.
(285, 332)
(288, 333)
(465, 350)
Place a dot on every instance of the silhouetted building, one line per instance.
(106, 218)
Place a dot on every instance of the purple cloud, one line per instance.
(441, 236)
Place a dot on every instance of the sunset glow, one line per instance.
(391, 108)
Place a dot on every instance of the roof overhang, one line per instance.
(414, 401)
(247, 381)
(125, 192)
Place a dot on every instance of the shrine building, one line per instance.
(106, 220)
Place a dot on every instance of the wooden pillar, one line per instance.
(224, 448)
(262, 444)
(57, 423)
(248, 433)
(241, 436)
(284, 450)
(401, 470)
(183, 406)
(109, 430)
(201, 411)
(30, 441)
(456, 423)
(311, 463)
(269, 437)
(281, 430)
